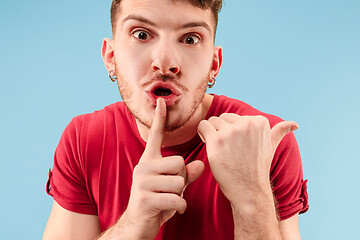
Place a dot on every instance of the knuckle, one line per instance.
(229, 115)
(262, 121)
(261, 117)
(245, 121)
(237, 129)
(172, 201)
(140, 168)
(145, 199)
(212, 119)
(166, 200)
(179, 162)
(220, 139)
(140, 183)
(202, 123)
(179, 158)
(180, 182)
(224, 115)
(251, 123)
(137, 170)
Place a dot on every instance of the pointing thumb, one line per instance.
(279, 131)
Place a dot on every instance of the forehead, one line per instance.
(165, 13)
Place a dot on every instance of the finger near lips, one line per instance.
(163, 178)
(156, 135)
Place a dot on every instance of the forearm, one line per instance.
(124, 229)
(255, 217)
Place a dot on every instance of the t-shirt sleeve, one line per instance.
(66, 183)
(287, 179)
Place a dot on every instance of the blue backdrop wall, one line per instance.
(296, 59)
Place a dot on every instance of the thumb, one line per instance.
(279, 131)
(193, 171)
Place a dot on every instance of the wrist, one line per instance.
(255, 216)
(133, 227)
(125, 229)
(252, 196)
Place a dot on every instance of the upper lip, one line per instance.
(160, 84)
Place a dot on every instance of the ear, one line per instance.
(107, 53)
(217, 61)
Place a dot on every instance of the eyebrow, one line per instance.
(149, 22)
(196, 24)
(138, 18)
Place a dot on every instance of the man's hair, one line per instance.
(214, 5)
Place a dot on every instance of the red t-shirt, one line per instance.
(97, 153)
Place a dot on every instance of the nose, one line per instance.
(165, 59)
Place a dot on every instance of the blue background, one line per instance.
(296, 59)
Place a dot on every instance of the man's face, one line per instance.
(163, 49)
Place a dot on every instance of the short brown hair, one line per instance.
(214, 5)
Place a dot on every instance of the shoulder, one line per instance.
(99, 118)
(224, 104)
(94, 124)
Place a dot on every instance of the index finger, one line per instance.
(156, 135)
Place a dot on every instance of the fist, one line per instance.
(240, 150)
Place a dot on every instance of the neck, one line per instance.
(186, 132)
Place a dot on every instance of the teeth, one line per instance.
(162, 92)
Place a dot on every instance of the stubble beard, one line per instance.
(126, 94)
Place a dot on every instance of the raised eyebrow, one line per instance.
(149, 22)
(138, 18)
(196, 24)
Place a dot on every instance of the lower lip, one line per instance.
(169, 100)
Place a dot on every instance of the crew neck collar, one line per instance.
(176, 148)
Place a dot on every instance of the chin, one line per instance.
(177, 118)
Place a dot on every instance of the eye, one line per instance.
(141, 35)
(191, 39)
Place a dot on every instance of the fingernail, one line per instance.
(294, 128)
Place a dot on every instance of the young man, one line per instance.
(171, 162)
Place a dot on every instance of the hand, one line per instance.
(240, 151)
(158, 182)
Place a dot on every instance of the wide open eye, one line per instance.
(191, 39)
(141, 35)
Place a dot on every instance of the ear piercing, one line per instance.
(211, 82)
(112, 76)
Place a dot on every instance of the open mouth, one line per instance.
(162, 92)
(168, 91)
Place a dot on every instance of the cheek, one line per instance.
(131, 61)
(198, 65)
